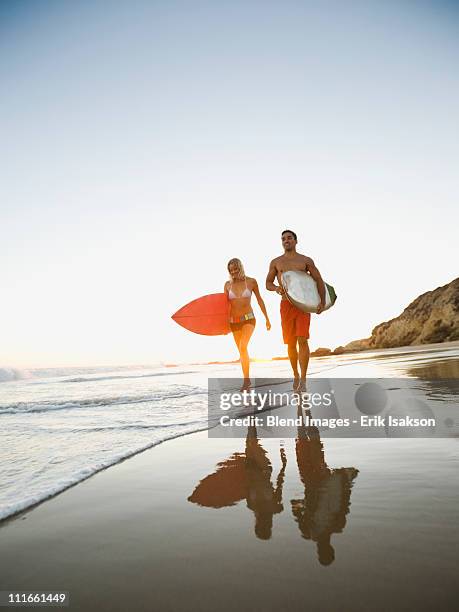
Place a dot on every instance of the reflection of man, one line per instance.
(295, 323)
(245, 476)
(327, 493)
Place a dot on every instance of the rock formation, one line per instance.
(432, 317)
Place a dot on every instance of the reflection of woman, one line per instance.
(239, 290)
(263, 498)
(245, 476)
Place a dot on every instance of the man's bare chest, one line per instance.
(291, 264)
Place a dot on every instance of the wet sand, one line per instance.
(251, 524)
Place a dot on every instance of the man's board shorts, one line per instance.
(294, 321)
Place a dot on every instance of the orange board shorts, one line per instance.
(294, 321)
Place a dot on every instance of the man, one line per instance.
(295, 323)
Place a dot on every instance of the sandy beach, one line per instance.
(233, 524)
(229, 346)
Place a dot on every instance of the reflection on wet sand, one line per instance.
(446, 368)
(245, 476)
(319, 514)
(438, 377)
(323, 509)
(263, 498)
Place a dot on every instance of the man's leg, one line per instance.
(288, 333)
(293, 356)
(303, 357)
(302, 333)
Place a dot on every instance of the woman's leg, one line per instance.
(246, 334)
(237, 337)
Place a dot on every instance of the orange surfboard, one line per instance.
(207, 315)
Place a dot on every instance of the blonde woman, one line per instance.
(239, 290)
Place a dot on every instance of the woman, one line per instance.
(242, 320)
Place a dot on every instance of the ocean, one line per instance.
(59, 426)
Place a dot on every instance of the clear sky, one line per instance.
(144, 144)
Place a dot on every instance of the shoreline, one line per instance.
(231, 523)
(150, 532)
(17, 515)
(130, 454)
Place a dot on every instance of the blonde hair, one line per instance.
(240, 268)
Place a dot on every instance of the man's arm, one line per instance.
(314, 272)
(270, 286)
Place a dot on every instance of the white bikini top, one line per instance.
(247, 293)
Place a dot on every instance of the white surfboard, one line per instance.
(301, 290)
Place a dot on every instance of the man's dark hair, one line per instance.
(289, 232)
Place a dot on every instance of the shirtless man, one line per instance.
(295, 323)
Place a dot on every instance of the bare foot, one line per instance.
(302, 385)
(296, 382)
(247, 384)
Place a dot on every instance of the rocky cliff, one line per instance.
(431, 317)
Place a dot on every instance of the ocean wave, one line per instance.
(113, 377)
(11, 509)
(119, 427)
(49, 405)
(9, 374)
